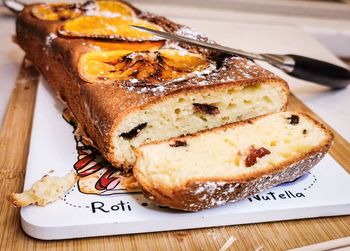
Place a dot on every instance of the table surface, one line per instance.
(332, 107)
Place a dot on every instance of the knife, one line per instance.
(301, 67)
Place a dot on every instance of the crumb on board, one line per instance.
(44, 191)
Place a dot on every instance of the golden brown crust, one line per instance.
(95, 105)
(198, 194)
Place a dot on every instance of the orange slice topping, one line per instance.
(61, 12)
(117, 28)
(133, 46)
(115, 7)
(56, 12)
(144, 67)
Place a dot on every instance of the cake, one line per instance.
(198, 128)
(126, 88)
(230, 163)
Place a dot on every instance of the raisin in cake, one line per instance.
(230, 163)
(126, 87)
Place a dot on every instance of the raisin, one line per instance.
(254, 153)
(206, 108)
(133, 133)
(178, 143)
(293, 120)
(304, 131)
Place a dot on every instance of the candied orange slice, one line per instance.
(56, 12)
(134, 46)
(61, 12)
(143, 67)
(108, 28)
(115, 7)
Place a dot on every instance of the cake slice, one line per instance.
(126, 88)
(230, 163)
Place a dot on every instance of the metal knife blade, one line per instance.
(199, 43)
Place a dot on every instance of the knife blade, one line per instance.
(206, 45)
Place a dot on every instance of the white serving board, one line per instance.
(322, 192)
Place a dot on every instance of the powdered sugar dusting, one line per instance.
(159, 89)
(50, 38)
(199, 189)
(92, 9)
(134, 81)
(169, 44)
(186, 31)
(108, 14)
(210, 187)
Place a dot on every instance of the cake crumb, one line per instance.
(47, 189)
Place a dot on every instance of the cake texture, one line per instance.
(230, 163)
(126, 88)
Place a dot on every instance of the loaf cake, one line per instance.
(126, 88)
(230, 163)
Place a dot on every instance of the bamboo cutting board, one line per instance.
(14, 140)
(115, 210)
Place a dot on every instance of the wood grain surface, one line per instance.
(14, 143)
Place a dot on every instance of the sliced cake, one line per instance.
(230, 163)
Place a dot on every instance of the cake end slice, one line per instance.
(230, 163)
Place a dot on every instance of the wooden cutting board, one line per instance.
(14, 142)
